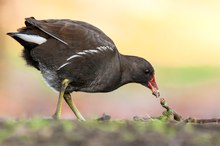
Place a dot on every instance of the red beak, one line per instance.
(152, 85)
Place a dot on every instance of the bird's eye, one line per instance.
(147, 71)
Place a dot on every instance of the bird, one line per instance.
(76, 56)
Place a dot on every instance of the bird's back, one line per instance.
(76, 34)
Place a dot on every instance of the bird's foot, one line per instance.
(56, 116)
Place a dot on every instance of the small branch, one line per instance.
(202, 121)
(177, 117)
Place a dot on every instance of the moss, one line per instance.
(68, 125)
(6, 129)
(4, 134)
(37, 123)
(66, 132)
(129, 136)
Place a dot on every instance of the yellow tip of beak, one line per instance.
(156, 93)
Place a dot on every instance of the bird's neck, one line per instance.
(127, 69)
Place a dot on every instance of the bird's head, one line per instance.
(143, 72)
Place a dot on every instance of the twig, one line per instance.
(177, 117)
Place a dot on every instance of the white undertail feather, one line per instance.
(31, 38)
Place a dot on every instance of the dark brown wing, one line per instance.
(51, 54)
(76, 34)
(68, 38)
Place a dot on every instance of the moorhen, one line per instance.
(77, 56)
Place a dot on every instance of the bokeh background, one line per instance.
(180, 38)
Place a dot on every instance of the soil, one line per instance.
(37, 131)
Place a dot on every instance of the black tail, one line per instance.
(12, 34)
(26, 52)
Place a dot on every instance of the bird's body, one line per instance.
(82, 54)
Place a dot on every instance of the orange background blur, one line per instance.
(180, 38)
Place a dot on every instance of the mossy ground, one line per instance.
(35, 132)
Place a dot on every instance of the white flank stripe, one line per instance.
(71, 57)
(32, 38)
(81, 53)
(110, 48)
(88, 51)
(104, 48)
(63, 65)
(85, 52)
(99, 49)
(93, 51)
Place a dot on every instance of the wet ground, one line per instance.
(35, 132)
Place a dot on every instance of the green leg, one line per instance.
(69, 101)
(57, 114)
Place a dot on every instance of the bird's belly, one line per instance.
(96, 84)
(51, 78)
(99, 84)
(54, 82)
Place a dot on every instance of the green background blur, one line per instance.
(180, 38)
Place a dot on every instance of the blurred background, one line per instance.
(180, 38)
